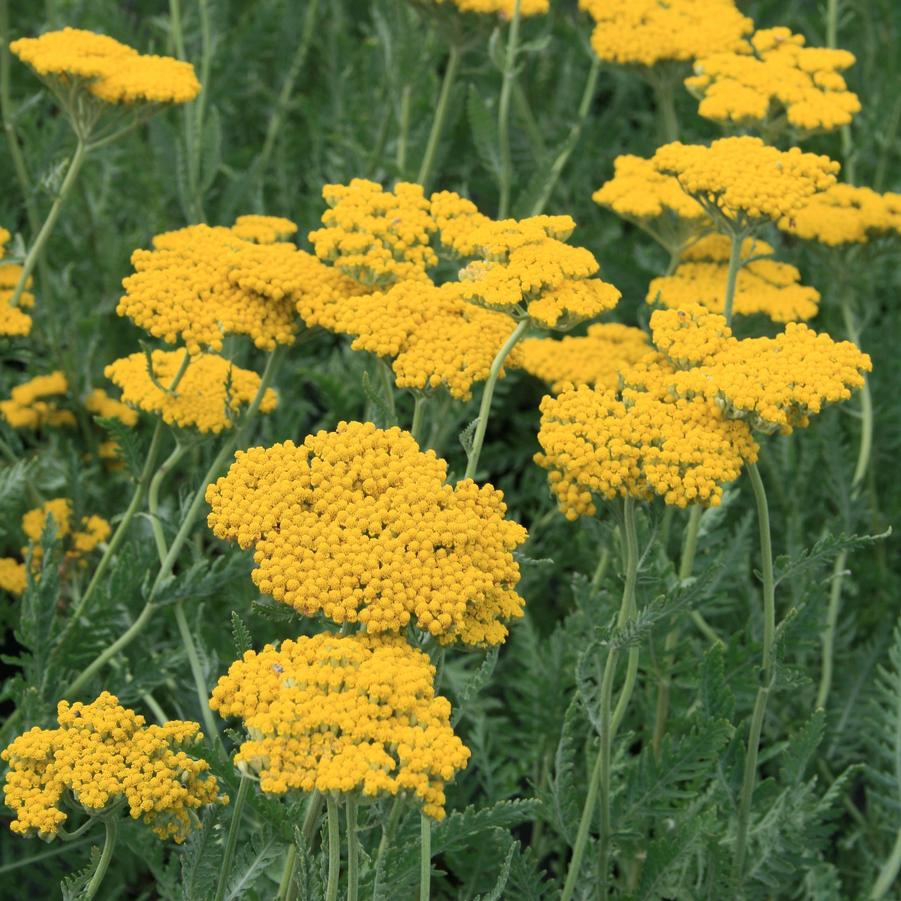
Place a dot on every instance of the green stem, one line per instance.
(153, 497)
(178, 39)
(111, 824)
(488, 393)
(425, 857)
(334, 849)
(769, 645)
(388, 829)
(44, 855)
(200, 685)
(503, 120)
(181, 536)
(599, 784)
(664, 95)
(400, 153)
(828, 637)
(287, 873)
(572, 138)
(416, 427)
(353, 849)
(37, 247)
(231, 842)
(866, 405)
(732, 274)
(388, 382)
(889, 872)
(447, 83)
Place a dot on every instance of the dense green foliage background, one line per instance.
(828, 813)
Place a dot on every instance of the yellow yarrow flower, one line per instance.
(13, 577)
(101, 404)
(846, 214)
(78, 542)
(14, 321)
(433, 338)
(374, 236)
(595, 360)
(762, 286)
(113, 72)
(264, 229)
(208, 397)
(504, 8)
(355, 713)
(773, 74)
(199, 284)
(647, 32)
(104, 754)
(360, 525)
(33, 404)
(640, 193)
(742, 182)
(639, 441)
(774, 384)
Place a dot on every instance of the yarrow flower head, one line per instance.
(111, 71)
(524, 267)
(742, 182)
(846, 214)
(640, 441)
(201, 283)
(105, 755)
(208, 396)
(354, 713)
(34, 404)
(763, 285)
(376, 237)
(647, 32)
(13, 577)
(360, 525)
(433, 338)
(499, 7)
(14, 321)
(78, 541)
(773, 384)
(773, 75)
(595, 360)
(640, 193)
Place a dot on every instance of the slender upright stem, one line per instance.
(828, 636)
(599, 784)
(334, 849)
(400, 151)
(450, 74)
(425, 857)
(111, 824)
(488, 393)
(153, 497)
(37, 246)
(503, 115)
(388, 829)
(187, 639)
(181, 536)
(572, 138)
(732, 274)
(388, 382)
(664, 96)
(888, 875)
(416, 427)
(231, 841)
(287, 879)
(769, 645)
(353, 848)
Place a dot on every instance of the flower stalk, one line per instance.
(503, 120)
(231, 841)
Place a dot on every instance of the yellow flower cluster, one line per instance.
(14, 322)
(845, 214)
(104, 754)
(525, 268)
(209, 394)
(33, 404)
(774, 384)
(744, 180)
(773, 74)
(201, 283)
(113, 72)
(360, 525)
(343, 713)
(501, 7)
(596, 360)
(101, 404)
(639, 441)
(12, 575)
(80, 542)
(376, 236)
(762, 286)
(642, 194)
(435, 338)
(645, 32)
